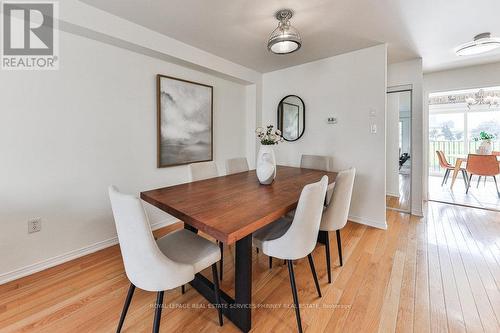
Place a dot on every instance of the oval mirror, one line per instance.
(291, 117)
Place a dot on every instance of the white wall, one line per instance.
(347, 87)
(66, 135)
(461, 78)
(406, 73)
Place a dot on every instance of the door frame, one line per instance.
(399, 89)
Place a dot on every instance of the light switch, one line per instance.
(373, 128)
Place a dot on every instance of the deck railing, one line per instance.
(451, 149)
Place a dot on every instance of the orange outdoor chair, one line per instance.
(483, 166)
(443, 163)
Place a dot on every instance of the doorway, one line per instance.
(460, 123)
(398, 149)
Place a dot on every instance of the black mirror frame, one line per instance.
(303, 121)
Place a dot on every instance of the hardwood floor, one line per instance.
(437, 274)
(403, 201)
(482, 195)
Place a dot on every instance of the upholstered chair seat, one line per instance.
(186, 247)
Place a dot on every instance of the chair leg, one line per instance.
(130, 293)
(294, 293)
(270, 262)
(158, 305)
(216, 292)
(445, 178)
(183, 289)
(257, 249)
(468, 185)
(328, 261)
(496, 185)
(478, 180)
(313, 271)
(339, 246)
(466, 181)
(221, 247)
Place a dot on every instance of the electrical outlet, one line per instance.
(34, 225)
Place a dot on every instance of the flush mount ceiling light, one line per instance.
(285, 38)
(482, 43)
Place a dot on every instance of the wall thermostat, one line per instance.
(331, 120)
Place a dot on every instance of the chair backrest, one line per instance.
(316, 162)
(235, 165)
(329, 193)
(483, 165)
(203, 170)
(443, 163)
(336, 213)
(145, 265)
(300, 239)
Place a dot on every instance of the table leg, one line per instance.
(243, 283)
(238, 310)
(190, 228)
(458, 164)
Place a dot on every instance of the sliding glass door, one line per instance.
(456, 118)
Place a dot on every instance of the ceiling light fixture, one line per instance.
(285, 38)
(482, 43)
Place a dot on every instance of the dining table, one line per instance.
(459, 160)
(229, 209)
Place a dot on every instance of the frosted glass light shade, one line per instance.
(285, 38)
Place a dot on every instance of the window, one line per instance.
(479, 121)
(446, 133)
(456, 117)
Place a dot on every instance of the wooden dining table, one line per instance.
(229, 209)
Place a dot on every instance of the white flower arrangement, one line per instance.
(269, 137)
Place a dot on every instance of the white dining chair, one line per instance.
(317, 162)
(336, 213)
(296, 240)
(158, 265)
(236, 165)
(202, 171)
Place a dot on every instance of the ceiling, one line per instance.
(237, 30)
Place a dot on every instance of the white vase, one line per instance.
(486, 148)
(266, 164)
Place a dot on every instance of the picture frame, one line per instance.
(184, 121)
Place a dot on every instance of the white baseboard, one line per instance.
(418, 213)
(392, 194)
(369, 222)
(71, 255)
